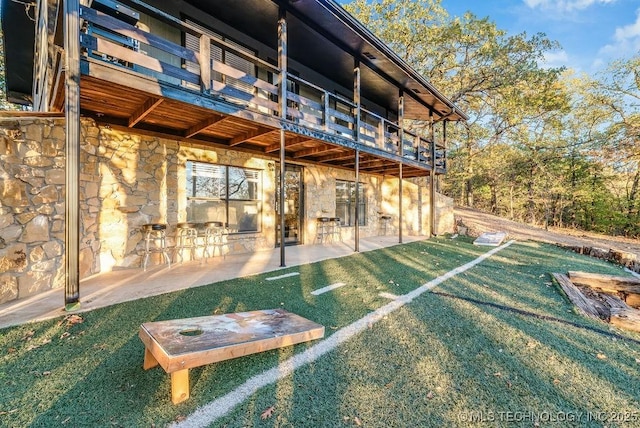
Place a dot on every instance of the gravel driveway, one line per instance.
(479, 222)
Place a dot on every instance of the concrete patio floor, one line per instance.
(124, 285)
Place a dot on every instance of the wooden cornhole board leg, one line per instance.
(179, 386)
(149, 360)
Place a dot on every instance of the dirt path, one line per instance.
(479, 222)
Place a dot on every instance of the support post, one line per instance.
(401, 152)
(282, 65)
(432, 182)
(400, 204)
(40, 70)
(357, 101)
(356, 98)
(444, 142)
(357, 219)
(72, 152)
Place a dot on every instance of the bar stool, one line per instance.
(214, 238)
(186, 238)
(384, 223)
(322, 229)
(154, 242)
(336, 229)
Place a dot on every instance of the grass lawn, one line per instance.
(497, 343)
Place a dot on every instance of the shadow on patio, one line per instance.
(125, 285)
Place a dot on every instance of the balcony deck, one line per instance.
(214, 103)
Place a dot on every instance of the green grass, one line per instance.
(442, 358)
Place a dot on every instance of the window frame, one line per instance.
(351, 203)
(223, 194)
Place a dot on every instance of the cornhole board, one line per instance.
(492, 239)
(178, 345)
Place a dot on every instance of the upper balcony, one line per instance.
(218, 78)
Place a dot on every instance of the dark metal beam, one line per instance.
(432, 181)
(282, 98)
(357, 219)
(72, 152)
(400, 122)
(400, 204)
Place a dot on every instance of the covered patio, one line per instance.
(134, 283)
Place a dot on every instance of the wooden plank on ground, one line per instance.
(575, 296)
(607, 283)
(622, 315)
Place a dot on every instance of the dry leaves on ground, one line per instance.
(267, 413)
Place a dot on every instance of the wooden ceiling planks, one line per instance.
(175, 118)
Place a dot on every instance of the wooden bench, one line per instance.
(178, 345)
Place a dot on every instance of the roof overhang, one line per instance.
(18, 28)
(371, 51)
(326, 38)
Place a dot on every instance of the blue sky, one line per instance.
(591, 32)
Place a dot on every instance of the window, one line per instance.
(346, 203)
(222, 193)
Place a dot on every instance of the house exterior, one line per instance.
(188, 111)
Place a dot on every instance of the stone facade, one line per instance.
(128, 179)
(31, 206)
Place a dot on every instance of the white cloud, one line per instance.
(555, 59)
(564, 5)
(626, 40)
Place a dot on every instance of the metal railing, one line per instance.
(254, 87)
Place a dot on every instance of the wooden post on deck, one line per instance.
(282, 95)
(432, 182)
(205, 64)
(72, 152)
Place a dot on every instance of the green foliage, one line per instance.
(541, 145)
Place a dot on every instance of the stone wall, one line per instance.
(31, 206)
(128, 179)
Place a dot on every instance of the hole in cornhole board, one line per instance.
(191, 332)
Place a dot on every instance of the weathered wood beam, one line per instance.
(143, 111)
(613, 284)
(298, 141)
(622, 316)
(204, 56)
(584, 305)
(315, 151)
(250, 136)
(197, 128)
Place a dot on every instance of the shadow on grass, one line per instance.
(389, 375)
